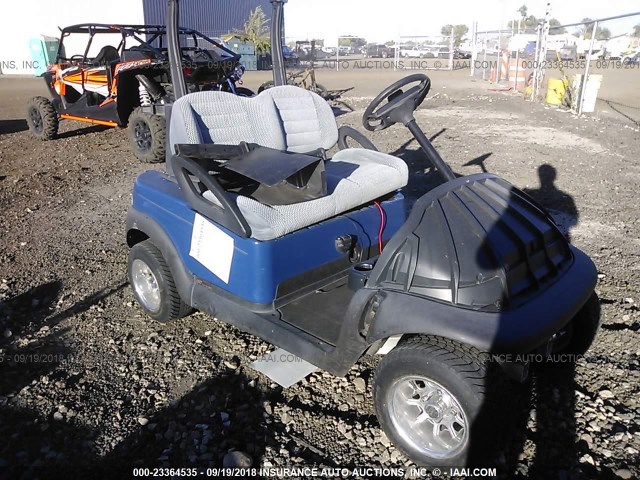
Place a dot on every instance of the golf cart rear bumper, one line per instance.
(517, 330)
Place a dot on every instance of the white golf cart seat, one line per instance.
(296, 120)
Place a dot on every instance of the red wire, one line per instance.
(383, 221)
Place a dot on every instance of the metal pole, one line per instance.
(585, 78)
(396, 55)
(515, 81)
(279, 67)
(474, 48)
(173, 49)
(338, 56)
(484, 61)
(451, 47)
(536, 63)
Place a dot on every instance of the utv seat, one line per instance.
(290, 119)
(106, 56)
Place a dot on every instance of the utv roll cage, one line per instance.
(151, 37)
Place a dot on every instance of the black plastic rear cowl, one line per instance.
(475, 242)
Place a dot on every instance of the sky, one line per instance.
(383, 20)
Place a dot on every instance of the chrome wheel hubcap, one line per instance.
(145, 285)
(428, 417)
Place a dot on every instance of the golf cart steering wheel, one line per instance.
(400, 104)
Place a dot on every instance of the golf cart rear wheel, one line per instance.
(427, 393)
(153, 285)
(147, 133)
(42, 118)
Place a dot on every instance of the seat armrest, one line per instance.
(346, 131)
(226, 214)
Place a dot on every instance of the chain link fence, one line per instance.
(588, 65)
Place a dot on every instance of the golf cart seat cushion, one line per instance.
(354, 177)
(285, 118)
(296, 120)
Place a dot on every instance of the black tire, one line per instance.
(576, 338)
(458, 368)
(42, 118)
(265, 86)
(170, 305)
(147, 135)
(245, 92)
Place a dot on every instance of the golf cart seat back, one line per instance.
(290, 119)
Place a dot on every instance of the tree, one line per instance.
(351, 41)
(556, 31)
(587, 29)
(256, 30)
(530, 23)
(523, 11)
(459, 31)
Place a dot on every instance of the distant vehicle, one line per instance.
(461, 54)
(631, 59)
(418, 52)
(529, 50)
(290, 56)
(379, 51)
(568, 53)
(441, 51)
(344, 51)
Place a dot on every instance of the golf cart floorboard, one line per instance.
(320, 313)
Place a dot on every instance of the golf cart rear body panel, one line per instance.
(263, 273)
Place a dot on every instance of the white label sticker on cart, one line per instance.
(212, 247)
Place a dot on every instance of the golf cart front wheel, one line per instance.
(153, 285)
(147, 133)
(42, 118)
(427, 393)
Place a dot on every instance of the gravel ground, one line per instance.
(89, 382)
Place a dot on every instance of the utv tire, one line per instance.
(428, 392)
(42, 118)
(147, 135)
(245, 92)
(153, 285)
(265, 86)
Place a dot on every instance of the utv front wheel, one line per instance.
(427, 393)
(42, 118)
(147, 133)
(153, 285)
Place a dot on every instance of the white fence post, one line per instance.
(585, 78)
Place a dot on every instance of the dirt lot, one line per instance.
(87, 381)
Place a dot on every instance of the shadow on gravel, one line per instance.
(560, 204)
(31, 355)
(13, 126)
(534, 419)
(83, 131)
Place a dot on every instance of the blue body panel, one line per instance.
(259, 267)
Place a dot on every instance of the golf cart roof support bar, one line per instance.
(431, 153)
(173, 47)
(277, 28)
